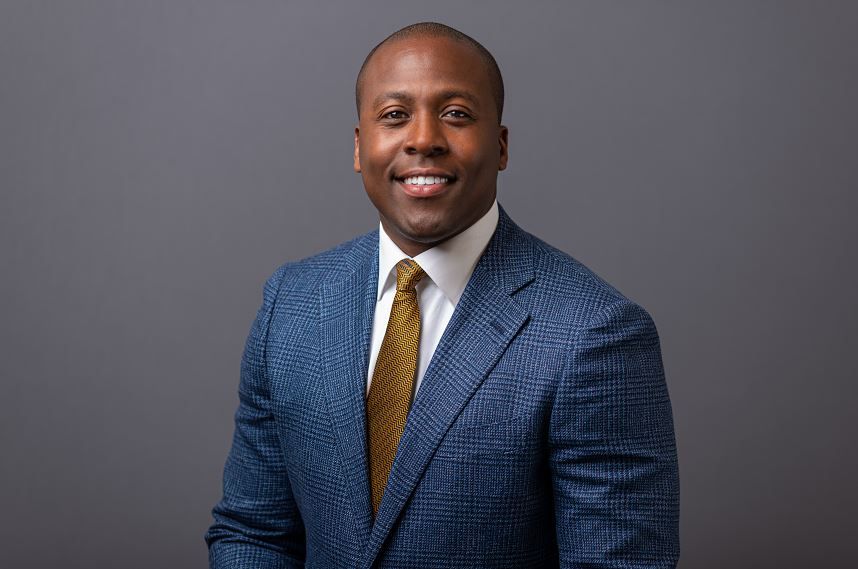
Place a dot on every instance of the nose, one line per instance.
(426, 136)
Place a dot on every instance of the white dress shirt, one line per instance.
(448, 268)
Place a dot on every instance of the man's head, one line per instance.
(429, 105)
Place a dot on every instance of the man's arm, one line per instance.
(257, 523)
(613, 453)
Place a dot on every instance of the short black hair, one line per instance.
(436, 30)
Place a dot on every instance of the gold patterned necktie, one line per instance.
(390, 391)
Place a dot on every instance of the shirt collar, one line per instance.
(449, 264)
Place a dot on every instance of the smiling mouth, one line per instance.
(425, 180)
(425, 186)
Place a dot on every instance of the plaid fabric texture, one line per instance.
(541, 436)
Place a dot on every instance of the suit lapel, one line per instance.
(482, 326)
(346, 312)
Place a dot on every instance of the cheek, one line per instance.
(376, 153)
(480, 153)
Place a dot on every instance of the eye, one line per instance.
(395, 115)
(457, 114)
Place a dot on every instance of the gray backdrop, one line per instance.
(159, 159)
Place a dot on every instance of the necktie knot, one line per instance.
(408, 274)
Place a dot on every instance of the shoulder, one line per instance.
(565, 290)
(309, 273)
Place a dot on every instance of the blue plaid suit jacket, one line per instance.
(541, 435)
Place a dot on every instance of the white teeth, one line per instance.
(424, 180)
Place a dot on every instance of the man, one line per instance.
(447, 391)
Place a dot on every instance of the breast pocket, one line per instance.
(490, 460)
(516, 436)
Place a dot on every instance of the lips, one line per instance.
(424, 183)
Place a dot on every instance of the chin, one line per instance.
(425, 229)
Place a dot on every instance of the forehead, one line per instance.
(417, 64)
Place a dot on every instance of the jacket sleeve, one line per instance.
(257, 523)
(613, 454)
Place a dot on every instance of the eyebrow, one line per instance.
(407, 98)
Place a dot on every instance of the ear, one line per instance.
(503, 140)
(357, 150)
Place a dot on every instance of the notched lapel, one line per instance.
(485, 321)
(346, 312)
